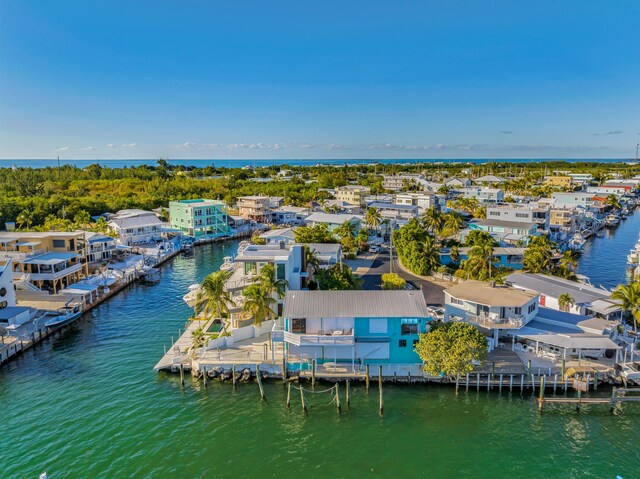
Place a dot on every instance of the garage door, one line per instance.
(372, 350)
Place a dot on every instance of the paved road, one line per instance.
(433, 293)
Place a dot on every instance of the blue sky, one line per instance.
(297, 79)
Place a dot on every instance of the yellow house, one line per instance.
(559, 181)
(52, 260)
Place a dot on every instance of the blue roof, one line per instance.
(50, 258)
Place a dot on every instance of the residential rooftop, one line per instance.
(484, 293)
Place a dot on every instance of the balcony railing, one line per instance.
(318, 339)
(494, 322)
(21, 256)
(50, 276)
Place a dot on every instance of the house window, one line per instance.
(518, 310)
(532, 307)
(409, 329)
(280, 274)
(456, 301)
(402, 343)
(59, 243)
(299, 325)
(378, 325)
(415, 341)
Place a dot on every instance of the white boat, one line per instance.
(612, 220)
(192, 296)
(577, 242)
(62, 317)
(228, 264)
(630, 371)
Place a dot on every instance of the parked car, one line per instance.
(374, 248)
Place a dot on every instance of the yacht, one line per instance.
(192, 295)
(577, 242)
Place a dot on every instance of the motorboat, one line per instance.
(612, 220)
(227, 264)
(192, 295)
(577, 242)
(630, 371)
(62, 317)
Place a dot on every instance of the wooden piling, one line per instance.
(533, 383)
(457, 382)
(181, 374)
(555, 383)
(204, 376)
(541, 399)
(366, 377)
(338, 396)
(478, 382)
(233, 375)
(500, 387)
(289, 395)
(284, 367)
(521, 382)
(313, 373)
(467, 382)
(347, 393)
(259, 379)
(510, 382)
(488, 382)
(304, 406)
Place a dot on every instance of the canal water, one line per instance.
(88, 404)
(604, 258)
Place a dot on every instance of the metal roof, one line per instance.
(484, 293)
(562, 337)
(331, 218)
(354, 304)
(53, 257)
(553, 286)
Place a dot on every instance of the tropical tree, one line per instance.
(479, 263)
(212, 297)
(337, 277)
(452, 222)
(450, 349)
(25, 218)
(432, 220)
(476, 237)
(101, 225)
(417, 250)
(538, 257)
(568, 264)
(373, 218)
(612, 201)
(565, 301)
(311, 258)
(314, 234)
(258, 302)
(444, 190)
(82, 218)
(629, 297)
(268, 281)
(480, 213)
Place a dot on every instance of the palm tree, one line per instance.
(346, 230)
(538, 256)
(444, 190)
(268, 282)
(431, 254)
(480, 262)
(312, 258)
(24, 218)
(568, 264)
(612, 201)
(629, 297)
(432, 220)
(258, 302)
(212, 298)
(373, 217)
(101, 225)
(480, 213)
(565, 301)
(453, 221)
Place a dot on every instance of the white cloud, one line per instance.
(111, 145)
(64, 148)
(129, 145)
(88, 148)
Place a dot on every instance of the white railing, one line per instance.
(494, 322)
(318, 340)
(21, 256)
(52, 275)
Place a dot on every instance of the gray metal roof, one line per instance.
(553, 286)
(355, 304)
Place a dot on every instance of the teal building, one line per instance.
(199, 218)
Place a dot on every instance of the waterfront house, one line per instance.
(279, 235)
(571, 200)
(50, 260)
(400, 181)
(333, 221)
(521, 213)
(352, 194)
(488, 180)
(353, 327)
(490, 306)
(290, 214)
(458, 182)
(100, 247)
(199, 218)
(398, 213)
(135, 227)
(288, 261)
(588, 300)
(258, 208)
(606, 190)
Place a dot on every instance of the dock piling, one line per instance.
(510, 382)
(233, 375)
(478, 382)
(313, 373)
(204, 376)
(380, 387)
(500, 387)
(347, 393)
(181, 374)
(338, 396)
(521, 383)
(541, 399)
(304, 406)
(288, 395)
(467, 382)
(259, 379)
(457, 382)
(366, 377)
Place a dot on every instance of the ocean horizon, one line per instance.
(237, 163)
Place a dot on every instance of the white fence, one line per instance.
(240, 334)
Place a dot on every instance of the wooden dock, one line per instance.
(618, 395)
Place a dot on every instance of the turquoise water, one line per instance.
(88, 404)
